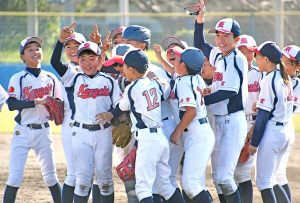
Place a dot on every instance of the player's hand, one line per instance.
(254, 108)
(40, 101)
(201, 7)
(253, 150)
(66, 32)
(206, 91)
(175, 137)
(95, 35)
(104, 117)
(157, 50)
(106, 43)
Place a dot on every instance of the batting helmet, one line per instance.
(137, 33)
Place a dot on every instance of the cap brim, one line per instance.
(254, 49)
(177, 50)
(113, 60)
(86, 48)
(169, 41)
(35, 39)
(215, 31)
(289, 56)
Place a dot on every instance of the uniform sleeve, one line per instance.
(3, 97)
(266, 95)
(68, 77)
(116, 96)
(56, 59)
(124, 103)
(185, 94)
(297, 98)
(199, 40)
(14, 87)
(57, 89)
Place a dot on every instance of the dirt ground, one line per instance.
(33, 189)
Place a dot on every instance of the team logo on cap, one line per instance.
(288, 49)
(221, 24)
(244, 40)
(86, 45)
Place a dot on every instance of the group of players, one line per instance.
(197, 105)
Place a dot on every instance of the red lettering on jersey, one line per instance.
(188, 99)
(217, 76)
(201, 93)
(85, 93)
(172, 95)
(222, 83)
(30, 94)
(295, 99)
(221, 24)
(11, 89)
(262, 101)
(181, 100)
(290, 98)
(244, 40)
(288, 49)
(253, 87)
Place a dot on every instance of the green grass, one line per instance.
(7, 122)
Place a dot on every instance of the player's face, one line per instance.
(118, 39)
(249, 54)
(225, 42)
(207, 71)
(128, 72)
(89, 63)
(170, 56)
(71, 49)
(32, 55)
(119, 68)
(179, 66)
(135, 44)
(261, 62)
(291, 66)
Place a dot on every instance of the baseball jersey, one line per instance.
(254, 78)
(25, 86)
(230, 75)
(296, 89)
(3, 97)
(89, 96)
(189, 92)
(276, 97)
(143, 98)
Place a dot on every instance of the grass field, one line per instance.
(7, 122)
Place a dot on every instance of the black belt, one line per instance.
(151, 130)
(38, 126)
(279, 123)
(253, 117)
(201, 121)
(91, 127)
(164, 119)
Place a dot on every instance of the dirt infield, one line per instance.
(33, 189)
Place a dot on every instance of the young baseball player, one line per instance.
(27, 92)
(3, 97)
(291, 59)
(226, 98)
(90, 93)
(243, 170)
(193, 129)
(271, 134)
(143, 98)
(116, 36)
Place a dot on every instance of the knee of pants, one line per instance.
(15, 180)
(82, 187)
(191, 187)
(263, 184)
(129, 185)
(50, 179)
(106, 187)
(70, 180)
(281, 179)
(242, 176)
(227, 185)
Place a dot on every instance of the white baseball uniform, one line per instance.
(198, 139)
(230, 123)
(32, 128)
(143, 98)
(3, 97)
(277, 98)
(91, 141)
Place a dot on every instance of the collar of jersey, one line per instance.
(34, 71)
(92, 76)
(222, 57)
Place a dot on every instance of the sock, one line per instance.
(268, 195)
(280, 194)
(176, 197)
(287, 190)
(80, 199)
(186, 198)
(246, 191)
(96, 194)
(202, 197)
(10, 194)
(107, 198)
(156, 198)
(222, 198)
(147, 200)
(56, 193)
(233, 198)
(67, 193)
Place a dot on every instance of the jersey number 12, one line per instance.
(151, 97)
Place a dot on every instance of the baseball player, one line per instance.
(3, 97)
(116, 36)
(143, 98)
(27, 92)
(226, 98)
(193, 129)
(291, 59)
(100, 93)
(272, 133)
(243, 170)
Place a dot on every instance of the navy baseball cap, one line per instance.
(119, 50)
(192, 57)
(27, 40)
(227, 25)
(134, 58)
(168, 41)
(137, 33)
(292, 52)
(269, 49)
(89, 46)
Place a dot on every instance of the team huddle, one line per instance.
(201, 103)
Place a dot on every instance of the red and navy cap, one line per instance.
(269, 49)
(247, 41)
(227, 25)
(27, 40)
(89, 46)
(292, 52)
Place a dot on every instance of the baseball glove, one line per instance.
(121, 130)
(245, 153)
(126, 168)
(55, 108)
